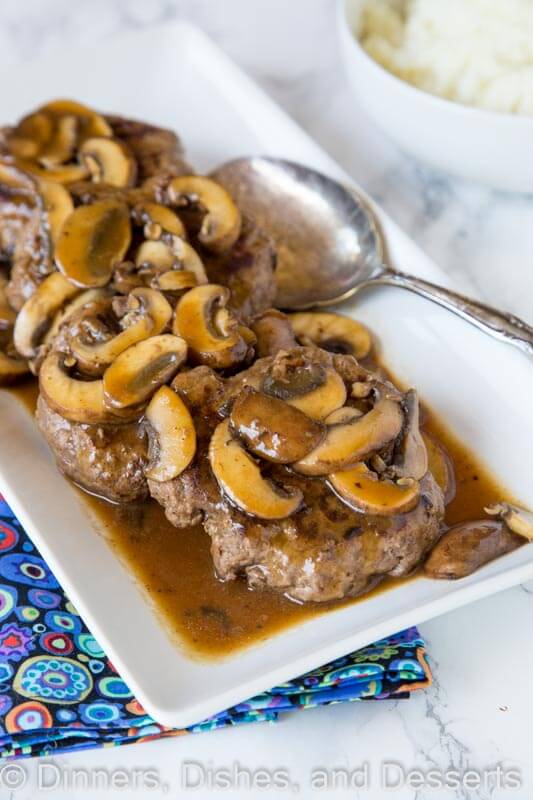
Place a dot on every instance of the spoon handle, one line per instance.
(503, 326)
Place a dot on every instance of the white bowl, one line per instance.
(491, 147)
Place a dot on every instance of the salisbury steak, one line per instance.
(325, 549)
(247, 269)
(106, 460)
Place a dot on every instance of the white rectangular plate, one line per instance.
(481, 388)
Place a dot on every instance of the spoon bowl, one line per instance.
(329, 245)
(321, 230)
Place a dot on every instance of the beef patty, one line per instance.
(107, 460)
(324, 551)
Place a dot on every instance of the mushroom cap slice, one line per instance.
(53, 131)
(324, 399)
(38, 312)
(63, 173)
(148, 314)
(75, 399)
(155, 254)
(272, 429)
(351, 438)
(361, 489)
(91, 123)
(170, 258)
(332, 332)
(58, 205)
(314, 389)
(172, 441)
(109, 161)
(274, 333)
(30, 135)
(212, 340)
(221, 225)
(411, 455)
(140, 370)
(45, 141)
(92, 240)
(441, 467)
(61, 145)
(158, 219)
(467, 546)
(176, 280)
(189, 259)
(518, 520)
(240, 479)
(80, 300)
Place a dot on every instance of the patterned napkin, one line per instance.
(59, 691)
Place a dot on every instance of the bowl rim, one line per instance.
(441, 103)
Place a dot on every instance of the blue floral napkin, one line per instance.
(59, 691)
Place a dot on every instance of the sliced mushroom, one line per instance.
(272, 429)
(274, 333)
(91, 123)
(212, 340)
(332, 332)
(170, 256)
(441, 467)
(518, 520)
(52, 132)
(176, 280)
(75, 399)
(411, 456)
(61, 145)
(140, 370)
(351, 438)
(46, 141)
(63, 173)
(221, 224)
(30, 135)
(157, 220)
(89, 296)
(363, 491)
(466, 547)
(58, 205)
(109, 161)
(240, 479)
(92, 240)
(312, 388)
(37, 313)
(172, 439)
(147, 314)
(155, 254)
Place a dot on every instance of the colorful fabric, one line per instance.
(58, 691)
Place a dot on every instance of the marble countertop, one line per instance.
(477, 716)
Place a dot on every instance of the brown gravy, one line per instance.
(213, 618)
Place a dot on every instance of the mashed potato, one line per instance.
(475, 52)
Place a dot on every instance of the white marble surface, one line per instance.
(478, 713)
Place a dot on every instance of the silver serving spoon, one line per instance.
(329, 245)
